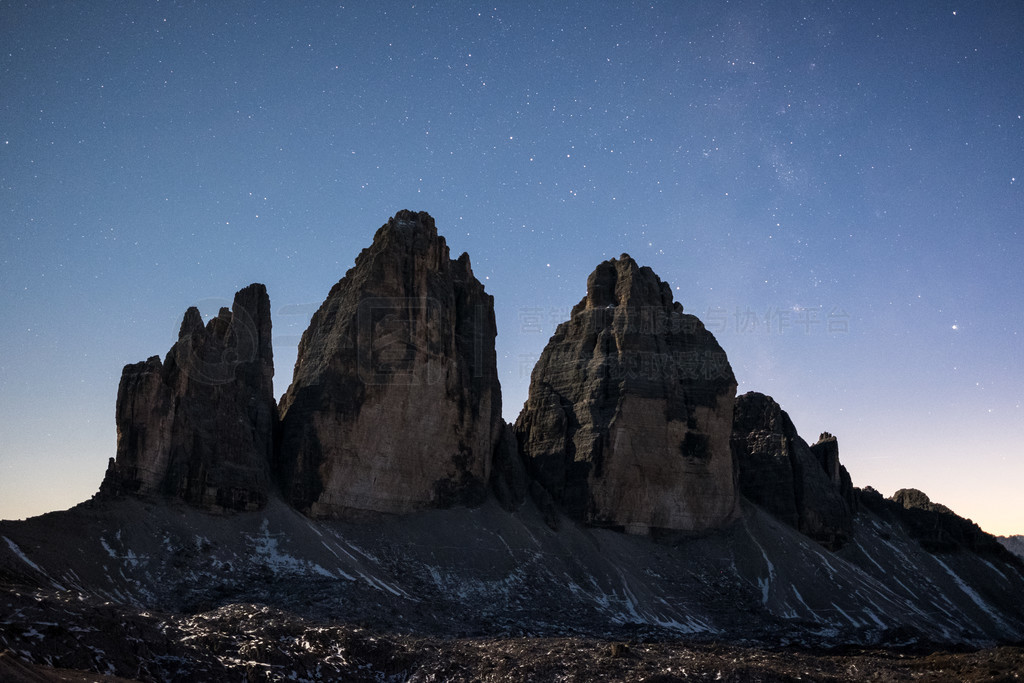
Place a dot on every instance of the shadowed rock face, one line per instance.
(395, 403)
(826, 450)
(629, 414)
(804, 486)
(200, 425)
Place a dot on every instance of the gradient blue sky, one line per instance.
(834, 188)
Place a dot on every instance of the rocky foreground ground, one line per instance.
(165, 593)
(351, 654)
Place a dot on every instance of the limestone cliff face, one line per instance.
(629, 413)
(200, 425)
(804, 486)
(395, 403)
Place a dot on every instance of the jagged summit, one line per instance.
(621, 282)
(199, 426)
(630, 409)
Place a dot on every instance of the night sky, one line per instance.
(836, 189)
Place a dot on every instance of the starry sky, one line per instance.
(836, 189)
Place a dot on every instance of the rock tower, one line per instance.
(395, 403)
(630, 410)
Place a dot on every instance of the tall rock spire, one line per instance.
(200, 425)
(395, 403)
(804, 486)
(629, 413)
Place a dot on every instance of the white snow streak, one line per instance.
(24, 558)
(972, 594)
(766, 582)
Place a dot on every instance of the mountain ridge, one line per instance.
(386, 492)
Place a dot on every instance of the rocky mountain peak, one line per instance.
(199, 426)
(825, 436)
(405, 250)
(621, 282)
(394, 403)
(409, 234)
(630, 408)
(915, 499)
(192, 323)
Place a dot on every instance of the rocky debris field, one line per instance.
(96, 641)
(165, 592)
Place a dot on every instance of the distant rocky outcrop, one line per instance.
(199, 426)
(804, 486)
(629, 413)
(913, 499)
(937, 528)
(394, 403)
(1015, 544)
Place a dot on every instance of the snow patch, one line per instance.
(801, 599)
(868, 555)
(977, 599)
(266, 548)
(381, 586)
(106, 546)
(340, 572)
(993, 568)
(872, 617)
(845, 615)
(766, 582)
(24, 558)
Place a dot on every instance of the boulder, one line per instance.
(801, 486)
(629, 412)
(394, 403)
(199, 426)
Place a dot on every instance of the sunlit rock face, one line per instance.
(199, 426)
(629, 414)
(804, 486)
(395, 403)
